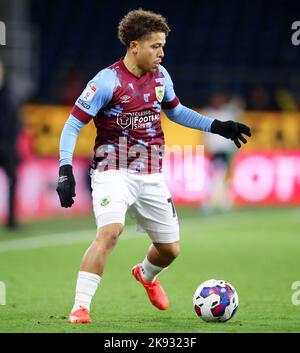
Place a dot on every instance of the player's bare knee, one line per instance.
(109, 234)
(173, 251)
(169, 251)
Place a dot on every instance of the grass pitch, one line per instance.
(257, 250)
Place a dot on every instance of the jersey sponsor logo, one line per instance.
(160, 92)
(125, 99)
(124, 120)
(89, 92)
(137, 120)
(84, 104)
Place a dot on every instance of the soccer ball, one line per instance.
(215, 300)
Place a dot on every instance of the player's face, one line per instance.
(149, 51)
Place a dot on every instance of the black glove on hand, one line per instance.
(66, 186)
(231, 130)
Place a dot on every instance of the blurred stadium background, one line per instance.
(229, 59)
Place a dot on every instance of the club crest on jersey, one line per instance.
(160, 92)
(105, 201)
(89, 92)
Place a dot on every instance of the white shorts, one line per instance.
(146, 197)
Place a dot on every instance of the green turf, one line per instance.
(256, 250)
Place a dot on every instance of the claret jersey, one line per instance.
(126, 110)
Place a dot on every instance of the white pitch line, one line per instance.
(66, 238)
(83, 236)
(57, 239)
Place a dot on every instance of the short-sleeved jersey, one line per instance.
(126, 110)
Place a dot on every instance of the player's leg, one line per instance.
(161, 255)
(111, 196)
(96, 255)
(158, 258)
(91, 271)
(155, 213)
(220, 197)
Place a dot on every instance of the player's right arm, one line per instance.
(96, 95)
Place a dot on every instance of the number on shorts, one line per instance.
(173, 207)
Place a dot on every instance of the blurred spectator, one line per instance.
(220, 150)
(9, 131)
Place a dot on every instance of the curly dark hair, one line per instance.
(140, 23)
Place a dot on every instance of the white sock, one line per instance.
(149, 271)
(86, 287)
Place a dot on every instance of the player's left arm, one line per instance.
(185, 116)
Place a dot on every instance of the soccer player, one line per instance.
(125, 101)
